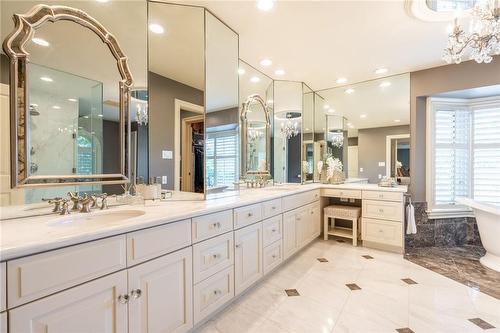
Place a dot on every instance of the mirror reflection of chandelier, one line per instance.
(140, 99)
(289, 123)
(337, 139)
(483, 38)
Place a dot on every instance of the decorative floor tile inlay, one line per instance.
(353, 286)
(404, 330)
(322, 260)
(409, 281)
(481, 323)
(366, 256)
(292, 292)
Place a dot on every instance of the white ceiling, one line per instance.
(320, 41)
(178, 53)
(370, 105)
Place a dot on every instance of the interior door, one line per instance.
(247, 256)
(161, 294)
(90, 307)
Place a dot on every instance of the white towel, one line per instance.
(411, 228)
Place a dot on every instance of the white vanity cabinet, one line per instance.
(96, 306)
(3, 322)
(248, 266)
(161, 293)
(3, 286)
(300, 227)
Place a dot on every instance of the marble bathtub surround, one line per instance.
(384, 304)
(460, 264)
(447, 232)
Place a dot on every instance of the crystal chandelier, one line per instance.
(483, 38)
(142, 114)
(289, 129)
(338, 139)
(254, 135)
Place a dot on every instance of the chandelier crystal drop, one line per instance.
(483, 38)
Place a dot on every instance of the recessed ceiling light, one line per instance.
(265, 5)
(156, 28)
(385, 84)
(279, 72)
(40, 41)
(266, 62)
(72, 100)
(57, 107)
(270, 101)
(46, 79)
(100, 115)
(362, 116)
(241, 71)
(86, 117)
(349, 91)
(381, 70)
(341, 80)
(254, 79)
(103, 1)
(326, 106)
(397, 120)
(308, 129)
(331, 110)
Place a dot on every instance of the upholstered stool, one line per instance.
(345, 213)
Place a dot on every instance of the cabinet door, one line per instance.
(91, 307)
(303, 221)
(289, 234)
(161, 294)
(315, 220)
(247, 256)
(3, 322)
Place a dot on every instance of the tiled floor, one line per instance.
(460, 264)
(384, 302)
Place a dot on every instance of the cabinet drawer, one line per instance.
(211, 225)
(247, 215)
(153, 242)
(273, 229)
(43, 274)
(341, 193)
(273, 256)
(301, 199)
(382, 195)
(384, 232)
(212, 293)
(385, 210)
(212, 255)
(271, 208)
(3, 286)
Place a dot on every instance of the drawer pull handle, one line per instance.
(123, 299)
(250, 214)
(274, 256)
(380, 210)
(216, 255)
(237, 246)
(217, 292)
(298, 218)
(273, 208)
(380, 195)
(380, 230)
(136, 293)
(312, 212)
(216, 225)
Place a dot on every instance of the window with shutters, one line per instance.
(463, 153)
(222, 158)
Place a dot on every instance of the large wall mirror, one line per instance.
(365, 127)
(222, 115)
(77, 127)
(176, 98)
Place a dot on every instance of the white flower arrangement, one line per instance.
(333, 165)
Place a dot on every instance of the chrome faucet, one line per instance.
(85, 204)
(73, 196)
(82, 204)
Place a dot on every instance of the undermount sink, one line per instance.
(280, 188)
(97, 217)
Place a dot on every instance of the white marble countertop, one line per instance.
(29, 235)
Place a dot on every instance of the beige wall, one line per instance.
(432, 81)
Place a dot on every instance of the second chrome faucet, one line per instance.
(82, 204)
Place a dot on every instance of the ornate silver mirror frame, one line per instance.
(244, 135)
(14, 47)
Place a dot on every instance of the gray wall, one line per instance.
(371, 149)
(432, 81)
(162, 93)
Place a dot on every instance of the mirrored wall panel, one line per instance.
(222, 158)
(363, 131)
(176, 99)
(73, 99)
(307, 148)
(256, 94)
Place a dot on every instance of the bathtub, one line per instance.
(488, 223)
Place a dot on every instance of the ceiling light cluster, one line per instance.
(156, 28)
(241, 71)
(266, 62)
(279, 72)
(382, 70)
(254, 79)
(385, 84)
(341, 80)
(349, 91)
